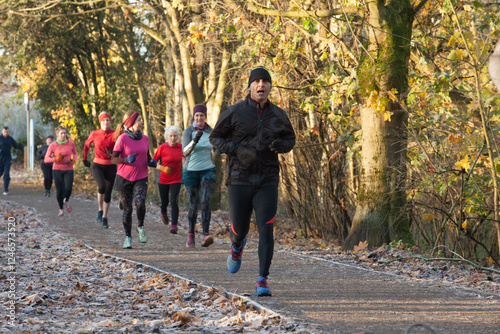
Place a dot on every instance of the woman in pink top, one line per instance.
(103, 170)
(63, 154)
(170, 168)
(131, 154)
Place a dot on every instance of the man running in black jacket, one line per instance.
(6, 143)
(252, 133)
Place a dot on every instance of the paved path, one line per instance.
(338, 298)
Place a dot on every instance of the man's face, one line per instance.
(5, 133)
(260, 89)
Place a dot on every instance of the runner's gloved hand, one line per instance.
(277, 146)
(71, 162)
(245, 155)
(130, 159)
(197, 137)
(86, 163)
(59, 158)
(165, 169)
(152, 163)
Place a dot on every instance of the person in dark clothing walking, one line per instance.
(252, 133)
(6, 144)
(46, 167)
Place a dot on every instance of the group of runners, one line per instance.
(251, 133)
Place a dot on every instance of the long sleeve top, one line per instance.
(67, 151)
(137, 170)
(199, 155)
(172, 157)
(103, 146)
(6, 143)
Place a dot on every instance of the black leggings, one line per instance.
(133, 191)
(205, 188)
(173, 189)
(104, 176)
(264, 200)
(47, 175)
(63, 179)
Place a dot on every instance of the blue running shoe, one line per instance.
(262, 288)
(234, 259)
(98, 219)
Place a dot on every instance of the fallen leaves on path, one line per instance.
(396, 260)
(62, 286)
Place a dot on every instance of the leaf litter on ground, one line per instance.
(61, 286)
(395, 259)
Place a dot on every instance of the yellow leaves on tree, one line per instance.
(379, 103)
(463, 164)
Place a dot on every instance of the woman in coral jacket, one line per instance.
(63, 154)
(103, 170)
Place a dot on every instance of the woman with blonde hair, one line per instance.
(62, 153)
(131, 154)
(171, 157)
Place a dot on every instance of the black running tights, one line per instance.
(243, 200)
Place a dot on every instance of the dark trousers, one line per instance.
(243, 200)
(136, 192)
(104, 176)
(5, 171)
(173, 189)
(47, 175)
(205, 188)
(63, 180)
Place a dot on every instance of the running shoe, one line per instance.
(98, 219)
(262, 288)
(105, 222)
(234, 259)
(207, 240)
(190, 240)
(173, 229)
(68, 206)
(5, 193)
(128, 242)
(164, 218)
(142, 234)
(61, 212)
(47, 193)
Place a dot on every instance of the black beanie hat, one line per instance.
(259, 72)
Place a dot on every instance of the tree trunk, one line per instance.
(380, 211)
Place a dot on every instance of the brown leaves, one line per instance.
(361, 246)
(65, 285)
(182, 317)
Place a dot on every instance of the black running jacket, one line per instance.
(243, 125)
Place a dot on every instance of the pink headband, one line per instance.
(103, 115)
(131, 120)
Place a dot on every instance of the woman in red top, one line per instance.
(170, 168)
(63, 154)
(103, 170)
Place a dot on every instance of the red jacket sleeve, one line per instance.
(86, 147)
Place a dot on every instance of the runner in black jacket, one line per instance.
(252, 133)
